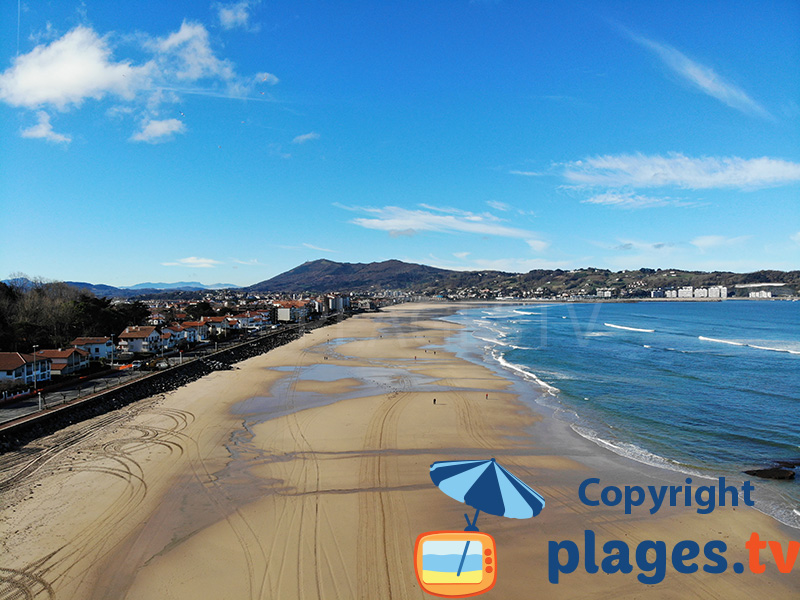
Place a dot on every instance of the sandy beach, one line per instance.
(304, 473)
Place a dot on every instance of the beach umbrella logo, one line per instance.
(457, 564)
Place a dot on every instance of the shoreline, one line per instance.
(771, 499)
(325, 500)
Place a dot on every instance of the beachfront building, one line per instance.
(97, 347)
(760, 294)
(167, 340)
(200, 329)
(718, 291)
(253, 320)
(290, 311)
(218, 325)
(338, 303)
(671, 293)
(23, 369)
(65, 362)
(700, 293)
(140, 339)
(179, 333)
(686, 291)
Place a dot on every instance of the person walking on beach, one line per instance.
(434, 401)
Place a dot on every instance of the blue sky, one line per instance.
(231, 141)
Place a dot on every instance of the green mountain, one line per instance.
(321, 276)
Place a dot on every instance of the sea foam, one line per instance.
(628, 328)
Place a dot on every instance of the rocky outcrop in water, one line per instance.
(772, 473)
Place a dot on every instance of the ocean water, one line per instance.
(706, 388)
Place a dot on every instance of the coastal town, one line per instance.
(169, 323)
(171, 328)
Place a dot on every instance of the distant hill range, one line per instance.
(147, 288)
(180, 285)
(99, 289)
(322, 276)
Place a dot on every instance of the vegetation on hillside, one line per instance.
(50, 314)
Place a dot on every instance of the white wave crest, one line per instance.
(746, 345)
(729, 342)
(551, 389)
(633, 451)
(628, 328)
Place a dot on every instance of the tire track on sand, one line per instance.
(383, 531)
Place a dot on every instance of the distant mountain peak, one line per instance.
(324, 275)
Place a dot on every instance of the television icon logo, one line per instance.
(455, 564)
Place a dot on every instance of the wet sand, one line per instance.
(304, 474)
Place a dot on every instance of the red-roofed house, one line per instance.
(140, 339)
(97, 347)
(218, 324)
(16, 367)
(253, 320)
(64, 362)
(168, 339)
(200, 328)
(156, 319)
(179, 333)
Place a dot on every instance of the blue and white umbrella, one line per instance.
(488, 487)
(485, 486)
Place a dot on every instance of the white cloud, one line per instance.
(65, 72)
(703, 78)
(498, 205)
(447, 220)
(526, 173)
(69, 70)
(159, 131)
(193, 262)
(187, 55)
(517, 265)
(267, 78)
(537, 245)
(234, 15)
(795, 238)
(306, 137)
(640, 246)
(461, 255)
(44, 130)
(307, 245)
(637, 170)
(707, 242)
(627, 200)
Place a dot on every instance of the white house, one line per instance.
(140, 339)
(216, 325)
(686, 291)
(182, 333)
(97, 347)
(718, 291)
(168, 340)
(64, 362)
(200, 329)
(16, 367)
